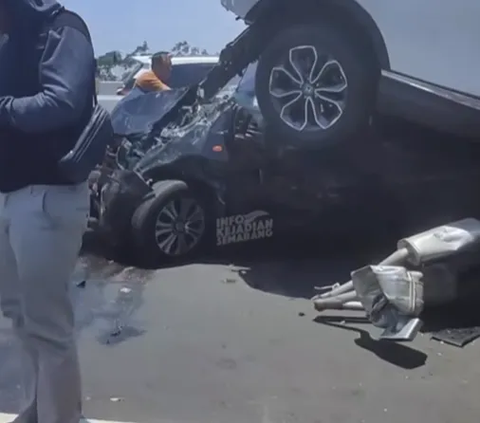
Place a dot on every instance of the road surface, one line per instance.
(237, 341)
(109, 87)
(107, 94)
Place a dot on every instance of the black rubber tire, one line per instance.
(144, 220)
(360, 69)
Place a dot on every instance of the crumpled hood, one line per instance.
(28, 14)
(138, 112)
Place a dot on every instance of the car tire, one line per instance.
(151, 247)
(352, 66)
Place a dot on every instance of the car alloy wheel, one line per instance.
(179, 227)
(308, 89)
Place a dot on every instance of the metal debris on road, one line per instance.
(457, 337)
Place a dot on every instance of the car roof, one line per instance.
(179, 60)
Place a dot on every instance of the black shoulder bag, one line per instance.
(89, 149)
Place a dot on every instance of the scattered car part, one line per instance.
(441, 242)
(458, 337)
(115, 202)
(336, 290)
(393, 296)
(405, 329)
(390, 295)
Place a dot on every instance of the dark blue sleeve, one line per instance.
(66, 72)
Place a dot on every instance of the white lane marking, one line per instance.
(8, 418)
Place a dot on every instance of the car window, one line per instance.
(229, 88)
(247, 83)
(188, 74)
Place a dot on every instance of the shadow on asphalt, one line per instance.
(292, 266)
(397, 354)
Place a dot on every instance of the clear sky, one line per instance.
(122, 25)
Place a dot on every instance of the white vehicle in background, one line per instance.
(325, 66)
(186, 71)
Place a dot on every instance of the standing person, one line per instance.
(156, 78)
(47, 83)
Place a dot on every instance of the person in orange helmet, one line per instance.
(156, 78)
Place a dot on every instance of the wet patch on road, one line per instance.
(107, 297)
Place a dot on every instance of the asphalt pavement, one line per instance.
(235, 339)
(107, 96)
(108, 87)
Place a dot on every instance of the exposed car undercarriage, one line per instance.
(233, 60)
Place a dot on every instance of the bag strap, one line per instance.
(68, 18)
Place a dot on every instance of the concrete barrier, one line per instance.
(109, 87)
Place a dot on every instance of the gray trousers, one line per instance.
(41, 229)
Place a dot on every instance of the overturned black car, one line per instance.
(181, 175)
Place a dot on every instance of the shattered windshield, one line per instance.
(188, 74)
(138, 111)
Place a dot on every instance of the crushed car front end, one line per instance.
(159, 136)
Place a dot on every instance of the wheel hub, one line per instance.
(308, 90)
(179, 227)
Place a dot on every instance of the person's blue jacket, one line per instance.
(47, 85)
(63, 72)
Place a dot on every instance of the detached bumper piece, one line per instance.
(119, 198)
(424, 271)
